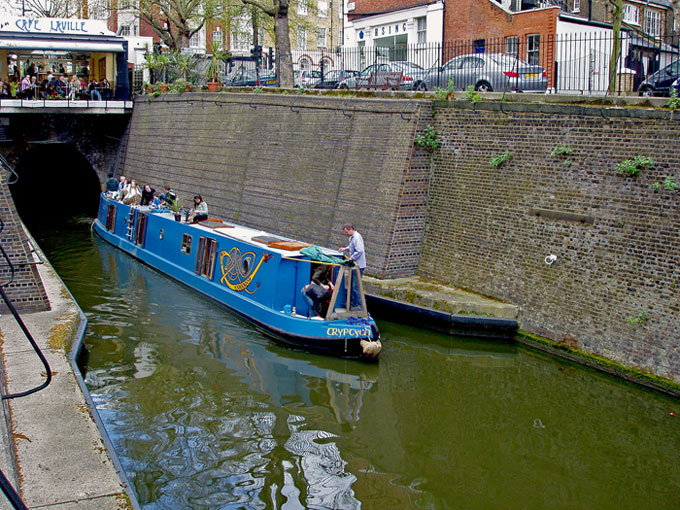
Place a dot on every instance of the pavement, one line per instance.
(51, 449)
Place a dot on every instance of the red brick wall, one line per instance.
(377, 6)
(481, 19)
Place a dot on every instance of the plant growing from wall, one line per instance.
(561, 150)
(640, 319)
(634, 166)
(656, 186)
(447, 93)
(674, 101)
(501, 159)
(669, 184)
(428, 139)
(471, 94)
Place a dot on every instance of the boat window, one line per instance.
(186, 244)
(140, 229)
(246, 265)
(205, 257)
(111, 218)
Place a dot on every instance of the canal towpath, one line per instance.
(51, 450)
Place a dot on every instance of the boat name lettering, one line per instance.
(349, 332)
(335, 376)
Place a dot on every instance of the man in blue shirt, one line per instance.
(355, 246)
(356, 252)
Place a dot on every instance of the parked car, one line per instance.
(487, 72)
(306, 78)
(390, 75)
(249, 78)
(659, 83)
(332, 78)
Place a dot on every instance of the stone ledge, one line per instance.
(434, 296)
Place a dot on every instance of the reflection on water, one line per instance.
(206, 413)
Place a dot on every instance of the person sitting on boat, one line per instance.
(147, 195)
(111, 185)
(200, 211)
(318, 293)
(131, 194)
(168, 196)
(155, 201)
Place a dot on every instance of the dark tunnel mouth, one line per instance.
(54, 182)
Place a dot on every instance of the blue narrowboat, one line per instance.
(254, 273)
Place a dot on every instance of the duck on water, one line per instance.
(256, 274)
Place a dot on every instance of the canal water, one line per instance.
(207, 413)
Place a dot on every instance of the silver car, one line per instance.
(487, 72)
(388, 75)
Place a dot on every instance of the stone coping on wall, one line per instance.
(458, 98)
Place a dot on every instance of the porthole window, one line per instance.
(161, 234)
(246, 266)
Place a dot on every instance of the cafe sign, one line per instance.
(55, 26)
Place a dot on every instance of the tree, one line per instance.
(616, 7)
(174, 21)
(51, 8)
(278, 10)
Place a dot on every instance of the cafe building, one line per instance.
(44, 46)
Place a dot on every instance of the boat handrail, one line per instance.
(312, 261)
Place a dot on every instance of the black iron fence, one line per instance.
(577, 63)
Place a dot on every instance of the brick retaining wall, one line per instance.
(298, 166)
(615, 237)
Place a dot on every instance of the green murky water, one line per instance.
(206, 413)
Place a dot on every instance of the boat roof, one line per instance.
(285, 246)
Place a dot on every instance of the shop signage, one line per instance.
(396, 28)
(55, 26)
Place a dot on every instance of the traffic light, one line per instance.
(256, 53)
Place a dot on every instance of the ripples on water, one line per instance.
(206, 413)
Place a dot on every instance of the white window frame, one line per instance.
(577, 6)
(534, 48)
(125, 31)
(217, 36)
(321, 39)
(652, 22)
(631, 14)
(421, 29)
(195, 41)
(512, 45)
(301, 37)
(322, 9)
(302, 7)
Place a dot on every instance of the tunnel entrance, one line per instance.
(55, 183)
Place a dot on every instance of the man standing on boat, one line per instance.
(356, 253)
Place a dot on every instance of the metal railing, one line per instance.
(577, 63)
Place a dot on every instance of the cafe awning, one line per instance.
(63, 45)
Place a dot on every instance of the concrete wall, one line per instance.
(615, 236)
(296, 166)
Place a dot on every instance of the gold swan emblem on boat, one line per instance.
(237, 269)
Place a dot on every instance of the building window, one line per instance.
(631, 14)
(577, 6)
(302, 7)
(533, 48)
(322, 10)
(301, 38)
(123, 5)
(124, 30)
(652, 22)
(217, 39)
(421, 25)
(512, 45)
(321, 37)
(195, 41)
